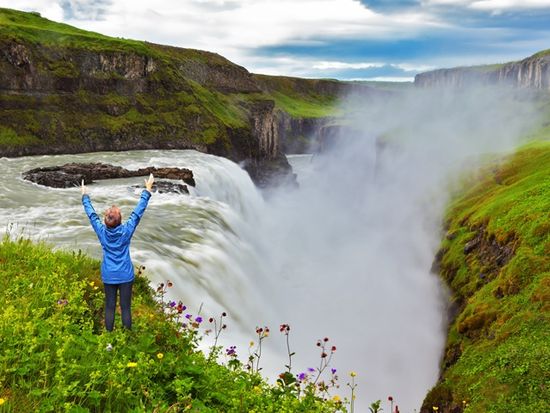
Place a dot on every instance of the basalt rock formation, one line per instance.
(532, 72)
(72, 174)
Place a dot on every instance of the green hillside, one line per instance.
(66, 90)
(56, 357)
(496, 260)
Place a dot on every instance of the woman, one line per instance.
(117, 270)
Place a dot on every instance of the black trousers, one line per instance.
(125, 304)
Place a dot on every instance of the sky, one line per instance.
(341, 39)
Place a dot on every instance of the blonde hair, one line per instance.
(112, 217)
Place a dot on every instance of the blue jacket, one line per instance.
(116, 267)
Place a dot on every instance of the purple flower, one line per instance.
(302, 376)
(172, 304)
(188, 316)
(198, 319)
(333, 371)
(311, 369)
(231, 351)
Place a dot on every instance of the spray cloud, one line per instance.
(349, 253)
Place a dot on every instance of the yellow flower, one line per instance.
(131, 364)
(336, 398)
(2, 401)
(160, 356)
(435, 408)
(352, 373)
(95, 287)
(251, 344)
(92, 283)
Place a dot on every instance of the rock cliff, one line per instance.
(65, 90)
(532, 72)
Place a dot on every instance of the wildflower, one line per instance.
(352, 373)
(188, 316)
(301, 376)
(169, 284)
(231, 351)
(92, 283)
(311, 369)
(251, 344)
(181, 308)
(435, 408)
(2, 401)
(109, 347)
(333, 371)
(131, 364)
(333, 349)
(336, 398)
(390, 398)
(96, 287)
(211, 320)
(198, 319)
(160, 356)
(62, 302)
(172, 304)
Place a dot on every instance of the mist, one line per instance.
(348, 254)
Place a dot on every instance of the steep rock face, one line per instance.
(300, 135)
(533, 72)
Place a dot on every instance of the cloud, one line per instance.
(344, 65)
(299, 35)
(491, 5)
(85, 9)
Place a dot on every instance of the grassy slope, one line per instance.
(497, 357)
(196, 113)
(303, 98)
(53, 353)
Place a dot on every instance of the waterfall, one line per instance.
(346, 256)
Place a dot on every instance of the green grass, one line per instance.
(303, 98)
(299, 106)
(497, 357)
(54, 357)
(33, 28)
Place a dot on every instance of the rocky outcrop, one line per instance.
(533, 73)
(73, 174)
(301, 135)
(484, 251)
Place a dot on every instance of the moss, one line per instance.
(497, 356)
(10, 138)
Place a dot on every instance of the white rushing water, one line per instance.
(346, 256)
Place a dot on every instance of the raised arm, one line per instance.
(138, 211)
(89, 209)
